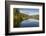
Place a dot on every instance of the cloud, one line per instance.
(29, 12)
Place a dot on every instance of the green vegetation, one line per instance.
(34, 17)
(19, 17)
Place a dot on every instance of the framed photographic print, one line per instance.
(24, 17)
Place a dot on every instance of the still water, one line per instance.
(30, 23)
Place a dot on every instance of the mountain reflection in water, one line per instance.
(30, 23)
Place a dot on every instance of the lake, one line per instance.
(30, 23)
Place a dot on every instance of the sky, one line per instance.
(29, 11)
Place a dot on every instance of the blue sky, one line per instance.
(29, 11)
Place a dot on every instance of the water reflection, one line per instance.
(30, 23)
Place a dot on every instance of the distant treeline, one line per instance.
(34, 17)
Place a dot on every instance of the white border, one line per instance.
(29, 28)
